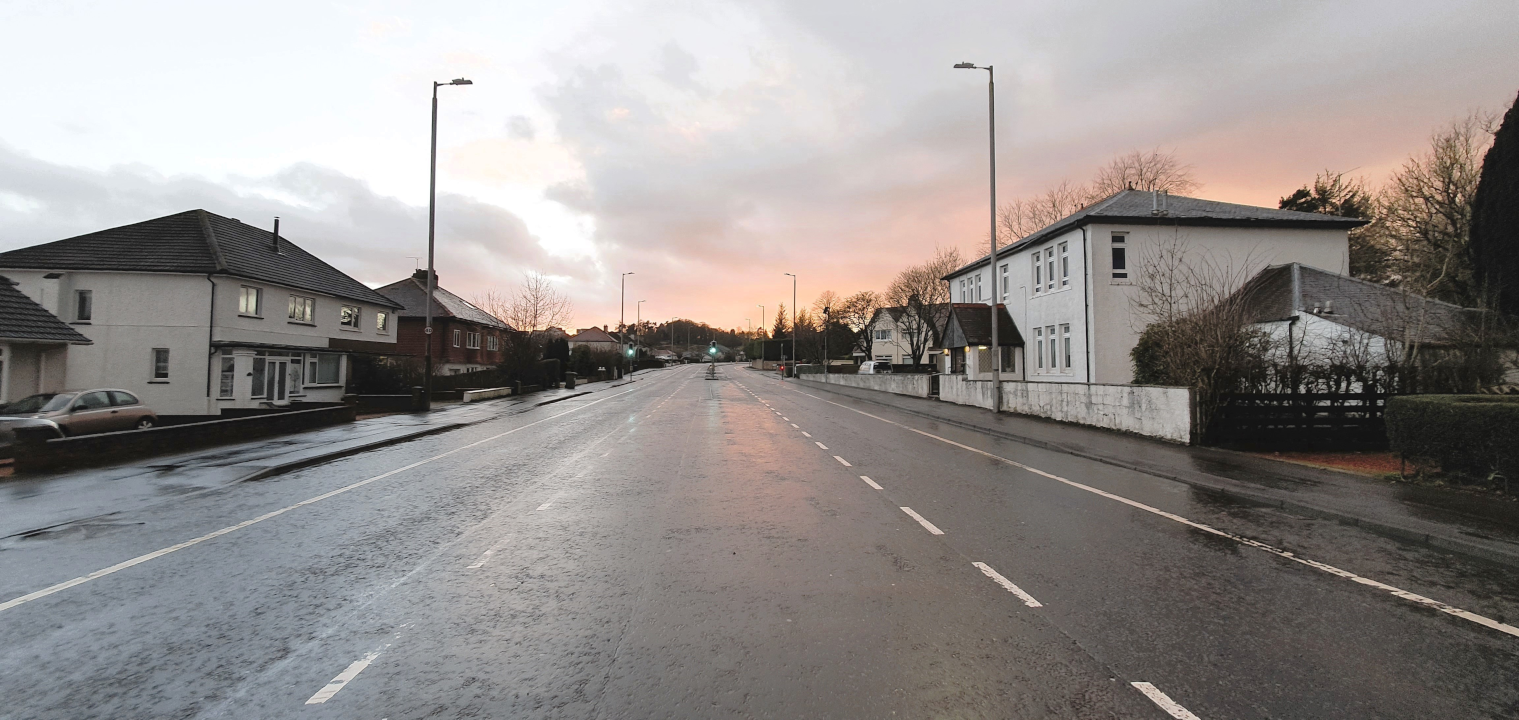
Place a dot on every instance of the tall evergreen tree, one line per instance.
(1494, 244)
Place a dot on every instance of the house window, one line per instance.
(883, 334)
(381, 321)
(84, 305)
(491, 343)
(1049, 268)
(303, 309)
(883, 358)
(260, 363)
(228, 374)
(472, 341)
(1065, 265)
(1008, 364)
(250, 301)
(1065, 344)
(458, 334)
(1039, 346)
(979, 296)
(325, 368)
(1049, 332)
(1038, 273)
(160, 363)
(349, 317)
(1120, 256)
(1004, 282)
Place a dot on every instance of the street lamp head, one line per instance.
(460, 81)
(965, 66)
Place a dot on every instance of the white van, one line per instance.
(875, 367)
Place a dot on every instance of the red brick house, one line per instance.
(465, 338)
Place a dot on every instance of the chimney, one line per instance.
(1164, 196)
(421, 277)
(1328, 307)
(276, 234)
(1154, 202)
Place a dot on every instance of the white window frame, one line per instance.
(350, 317)
(472, 341)
(1119, 255)
(1065, 265)
(1038, 257)
(153, 369)
(1065, 346)
(226, 376)
(257, 294)
(1039, 347)
(492, 343)
(1005, 282)
(302, 310)
(1049, 268)
(382, 322)
(84, 306)
(458, 337)
(1049, 332)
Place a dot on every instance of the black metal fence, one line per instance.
(1299, 421)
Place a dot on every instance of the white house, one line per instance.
(34, 346)
(196, 313)
(892, 334)
(1069, 287)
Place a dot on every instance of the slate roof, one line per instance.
(593, 334)
(411, 295)
(1368, 307)
(1135, 207)
(23, 319)
(971, 324)
(199, 242)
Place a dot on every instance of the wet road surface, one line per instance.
(682, 547)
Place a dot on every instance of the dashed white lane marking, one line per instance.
(1332, 570)
(814, 442)
(842, 460)
(544, 506)
(1165, 702)
(794, 425)
(140, 559)
(870, 482)
(787, 419)
(344, 678)
(808, 434)
(486, 556)
(1007, 585)
(921, 521)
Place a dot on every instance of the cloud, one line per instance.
(336, 217)
(678, 67)
(518, 127)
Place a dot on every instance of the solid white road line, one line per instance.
(344, 678)
(1164, 701)
(1007, 584)
(926, 524)
(484, 558)
(870, 482)
(842, 460)
(140, 559)
(1332, 570)
(814, 442)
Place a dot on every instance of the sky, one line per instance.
(707, 146)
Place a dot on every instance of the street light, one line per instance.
(793, 327)
(991, 260)
(622, 318)
(638, 308)
(432, 207)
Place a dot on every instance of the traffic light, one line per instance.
(712, 348)
(630, 352)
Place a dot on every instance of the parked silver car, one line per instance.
(875, 367)
(83, 412)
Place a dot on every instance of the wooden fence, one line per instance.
(1300, 421)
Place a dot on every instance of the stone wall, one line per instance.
(1159, 412)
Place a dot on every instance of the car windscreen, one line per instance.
(44, 402)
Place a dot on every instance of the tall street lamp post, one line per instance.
(622, 320)
(638, 313)
(793, 328)
(432, 208)
(825, 342)
(991, 260)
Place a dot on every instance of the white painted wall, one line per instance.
(897, 348)
(31, 368)
(916, 385)
(1159, 412)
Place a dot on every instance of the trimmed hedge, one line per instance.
(1474, 435)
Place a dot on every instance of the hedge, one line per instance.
(1474, 435)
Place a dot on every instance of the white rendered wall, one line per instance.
(915, 385)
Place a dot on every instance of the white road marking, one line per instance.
(808, 434)
(1007, 585)
(344, 678)
(814, 442)
(794, 425)
(787, 419)
(842, 460)
(544, 506)
(921, 521)
(1332, 570)
(484, 558)
(140, 559)
(1164, 701)
(870, 482)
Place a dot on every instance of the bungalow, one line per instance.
(34, 346)
(595, 338)
(185, 312)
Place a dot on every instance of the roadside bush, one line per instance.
(1472, 437)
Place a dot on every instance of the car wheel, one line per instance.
(145, 423)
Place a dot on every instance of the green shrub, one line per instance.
(1476, 436)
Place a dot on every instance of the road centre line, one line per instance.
(1332, 570)
(814, 442)
(1007, 584)
(1173, 708)
(794, 425)
(808, 434)
(140, 559)
(842, 460)
(486, 556)
(871, 483)
(922, 521)
(343, 678)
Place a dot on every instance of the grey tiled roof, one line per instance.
(22, 319)
(971, 324)
(1136, 207)
(1369, 307)
(411, 295)
(194, 241)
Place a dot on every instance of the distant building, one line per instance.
(893, 331)
(465, 338)
(195, 313)
(34, 346)
(595, 338)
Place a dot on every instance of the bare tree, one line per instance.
(533, 306)
(1137, 170)
(855, 313)
(922, 293)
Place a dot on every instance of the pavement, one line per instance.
(691, 548)
(1453, 521)
(34, 503)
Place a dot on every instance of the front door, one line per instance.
(275, 386)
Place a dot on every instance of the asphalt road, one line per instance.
(690, 548)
